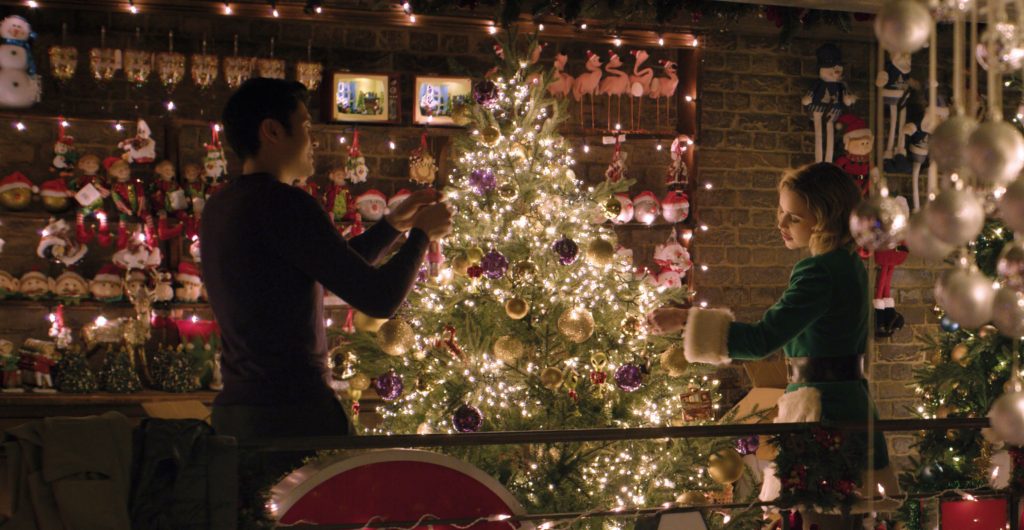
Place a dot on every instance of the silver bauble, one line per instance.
(947, 145)
(1010, 266)
(922, 242)
(903, 26)
(966, 296)
(1004, 39)
(1011, 206)
(878, 223)
(1008, 311)
(995, 152)
(1007, 417)
(955, 216)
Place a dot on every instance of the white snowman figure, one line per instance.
(19, 84)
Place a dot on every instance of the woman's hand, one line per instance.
(666, 320)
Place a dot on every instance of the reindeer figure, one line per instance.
(587, 83)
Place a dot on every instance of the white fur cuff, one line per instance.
(799, 406)
(706, 337)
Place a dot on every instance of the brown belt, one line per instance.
(825, 369)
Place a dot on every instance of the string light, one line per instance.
(342, 140)
(583, 26)
(64, 123)
(617, 41)
(688, 98)
(658, 147)
(20, 126)
(33, 4)
(170, 105)
(661, 40)
(101, 321)
(313, 6)
(227, 8)
(391, 145)
(132, 8)
(273, 9)
(492, 29)
(540, 27)
(412, 19)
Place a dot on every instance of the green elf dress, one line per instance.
(821, 324)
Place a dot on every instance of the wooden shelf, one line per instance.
(18, 408)
(49, 304)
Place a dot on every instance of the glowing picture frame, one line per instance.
(435, 97)
(362, 98)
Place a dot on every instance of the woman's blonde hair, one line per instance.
(831, 196)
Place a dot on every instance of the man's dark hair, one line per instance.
(256, 100)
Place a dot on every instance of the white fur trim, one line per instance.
(879, 303)
(706, 337)
(771, 486)
(799, 406)
(890, 302)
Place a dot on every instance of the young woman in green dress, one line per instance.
(820, 322)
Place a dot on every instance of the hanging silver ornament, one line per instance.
(1011, 206)
(1005, 41)
(878, 223)
(966, 296)
(1008, 311)
(948, 10)
(955, 216)
(947, 145)
(995, 152)
(1007, 416)
(903, 26)
(1010, 266)
(922, 242)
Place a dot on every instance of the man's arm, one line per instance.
(299, 232)
(372, 243)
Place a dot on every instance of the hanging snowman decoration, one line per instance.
(918, 131)
(894, 81)
(140, 149)
(20, 85)
(215, 164)
(827, 100)
(65, 156)
(355, 167)
(856, 161)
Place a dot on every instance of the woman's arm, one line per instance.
(712, 336)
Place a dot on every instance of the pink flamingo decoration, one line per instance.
(587, 83)
(563, 82)
(639, 86)
(615, 84)
(664, 87)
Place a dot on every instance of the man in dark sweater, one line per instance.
(269, 250)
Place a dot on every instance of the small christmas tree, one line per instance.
(175, 371)
(73, 374)
(118, 373)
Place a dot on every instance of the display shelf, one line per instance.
(18, 408)
(93, 305)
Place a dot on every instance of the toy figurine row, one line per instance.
(110, 284)
(30, 365)
(347, 210)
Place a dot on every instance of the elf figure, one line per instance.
(894, 81)
(9, 365)
(887, 319)
(90, 189)
(140, 149)
(65, 156)
(107, 284)
(337, 199)
(168, 198)
(195, 193)
(856, 161)
(43, 362)
(130, 200)
(35, 285)
(215, 165)
(918, 130)
(827, 100)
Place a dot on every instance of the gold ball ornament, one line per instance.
(508, 349)
(959, 354)
(987, 330)
(523, 271)
(551, 378)
(611, 208)
(474, 255)
(692, 498)
(577, 324)
(600, 252)
(359, 382)
(396, 337)
(461, 114)
(490, 136)
(517, 308)
(508, 191)
(366, 323)
(725, 466)
(674, 360)
(460, 264)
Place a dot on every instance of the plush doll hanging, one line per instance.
(894, 81)
(355, 167)
(675, 207)
(337, 199)
(857, 142)
(168, 199)
(617, 167)
(215, 164)
(195, 194)
(65, 156)
(887, 319)
(20, 85)
(918, 130)
(130, 200)
(90, 188)
(827, 100)
(422, 167)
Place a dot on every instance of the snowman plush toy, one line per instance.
(19, 82)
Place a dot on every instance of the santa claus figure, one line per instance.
(57, 244)
(646, 208)
(130, 199)
(137, 254)
(673, 262)
(371, 205)
(35, 285)
(16, 191)
(70, 287)
(857, 142)
(164, 290)
(626, 210)
(215, 166)
(140, 149)
(887, 320)
(43, 362)
(355, 166)
(675, 207)
(195, 193)
(106, 285)
(90, 188)
(190, 285)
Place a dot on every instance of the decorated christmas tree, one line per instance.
(532, 320)
(118, 373)
(73, 375)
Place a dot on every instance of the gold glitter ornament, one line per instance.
(577, 324)
(725, 466)
(600, 252)
(490, 136)
(551, 378)
(508, 349)
(396, 337)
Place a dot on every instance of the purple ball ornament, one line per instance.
(482, 181)
(485, 93)
(467, 418)
(748, 446)
(567, 250)
(629, 377)
(494, 264)
(388, 385)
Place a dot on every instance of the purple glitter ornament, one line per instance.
(629, 377)
(485, 93)
(482, 181)
(748, 446)
(494, 264)
(467, 418)
(388, 385)
(566, 249)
